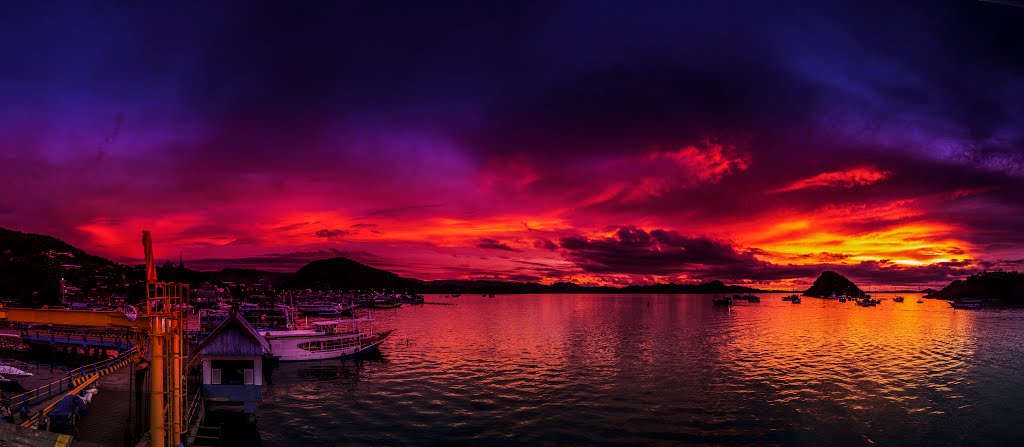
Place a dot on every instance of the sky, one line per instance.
(603, 143)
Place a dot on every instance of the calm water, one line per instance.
(663, 370)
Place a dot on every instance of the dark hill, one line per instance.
(1004, 286)
(32, 265)
(831, 283)
(345, 274)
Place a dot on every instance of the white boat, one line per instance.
(10, 371)
(326, 340)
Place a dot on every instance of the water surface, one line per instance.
(663, 370)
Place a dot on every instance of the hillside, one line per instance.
(346, 274)
(832, 283)
(32, 265)
(1004, 286)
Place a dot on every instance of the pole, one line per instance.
(157, 433)
(176, 391)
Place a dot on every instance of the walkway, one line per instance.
(105, 423)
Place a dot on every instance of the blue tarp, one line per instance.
(67, 406)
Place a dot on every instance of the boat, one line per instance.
(490, 296)
(323, 308)
(795, 300)
(383, 304)
(965, 304)
(326, 340)
(842, 299)
(920, 301)
(718, 301)
(867, 302)
(791, 297)
(898, 299)
(10, 371)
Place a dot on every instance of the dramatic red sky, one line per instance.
(596, 142)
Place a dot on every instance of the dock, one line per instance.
(105, 421)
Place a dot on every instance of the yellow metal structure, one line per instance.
(163, 320)
(165, 304)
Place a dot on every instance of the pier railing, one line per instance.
(102, 365)
(73, 379)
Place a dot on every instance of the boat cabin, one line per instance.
(232, 363)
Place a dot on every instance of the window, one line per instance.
(231, 372)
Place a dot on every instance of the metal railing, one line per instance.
(51, 389)
(95, 368)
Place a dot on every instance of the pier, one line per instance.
(90, 341)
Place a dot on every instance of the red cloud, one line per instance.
(838, 179)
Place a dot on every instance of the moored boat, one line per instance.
(791, 297)
(326, 340)
(898, 299)
(795, 300)
(721, 301)
(966, 304)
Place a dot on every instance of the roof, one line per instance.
(234, 319)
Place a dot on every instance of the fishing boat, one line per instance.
(326, 340)
(965, 304)
(383, 304)
(720, 301)
(898, 299)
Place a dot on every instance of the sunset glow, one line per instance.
(760, 159)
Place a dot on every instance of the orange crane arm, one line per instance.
(73, 318)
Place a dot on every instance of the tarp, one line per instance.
(68, 405)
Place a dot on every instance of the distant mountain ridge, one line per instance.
(32, 265)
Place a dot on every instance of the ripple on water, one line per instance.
(662, 370)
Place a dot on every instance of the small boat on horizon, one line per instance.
(966, 304)
(898, 299)
(721, 301)
(795, 300)
(791, 297)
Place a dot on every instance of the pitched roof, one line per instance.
(234, 319)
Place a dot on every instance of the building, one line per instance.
(232, 363)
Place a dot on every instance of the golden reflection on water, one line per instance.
(661, 369)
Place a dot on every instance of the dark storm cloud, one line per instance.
(329, 234)
(660, 252)
(545, 244)
(493, 244)
(669, 253)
